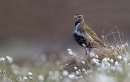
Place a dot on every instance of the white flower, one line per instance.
(77, 73)
(70, 52)
(75, 68)
(94, 61)
(105, 60)
(29, 74)
(117, 64)
(65, 73)
(72, 76)
(111, 61)
(128, 64)
(83, 62)
(25, 78)
(119, 57)
(83, 70)
(40, 77)
(91, 55)
(96, 56)
(83, 45)
(2, 59)
(9, 59)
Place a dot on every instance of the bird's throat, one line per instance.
(77, 22)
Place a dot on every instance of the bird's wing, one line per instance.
(90, 31)
(94, 36)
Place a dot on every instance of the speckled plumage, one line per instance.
(85, 35)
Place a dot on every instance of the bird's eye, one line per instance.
(79, 16)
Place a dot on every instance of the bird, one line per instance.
(85, 36)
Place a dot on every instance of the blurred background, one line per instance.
(33, 27)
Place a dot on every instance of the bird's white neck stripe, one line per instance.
(76, 29)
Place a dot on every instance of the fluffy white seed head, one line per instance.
(91, 55)
(2, 59)
(30, 74)
(65, 73)
(83, 70)
(77, 72)
(83, 45)
(75, 68)
(70, 52)
(9, 59)
(94, 61)
(83, 62)
(72, 76)
(96, 56)
(119, 57)
(128, 64)
(40, 78)
(116, 64)
(25, 78)
(104, 60)
(111, 61)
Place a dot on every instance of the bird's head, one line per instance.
(78, 17)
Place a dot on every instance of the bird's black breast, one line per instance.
(79, 39)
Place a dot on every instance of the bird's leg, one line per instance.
(87, 52)
(86, 49)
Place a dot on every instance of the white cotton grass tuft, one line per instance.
(9, 59)
(84, 45)
(119, 57)
(117, 64)
(83, 62)
(92, 55)
(111, 61)
(40, 78)
(2, 59)
(75, 68)
(72, 76)
(77, 72)
(70, 52)
(30, 74)
(25, 78)
(65, 73)
(94, 61)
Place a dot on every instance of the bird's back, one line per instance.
(91, 36)
(94, 36)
